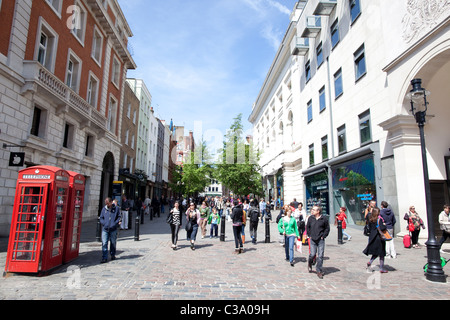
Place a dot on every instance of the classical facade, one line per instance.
(62, 71)
(333, 119)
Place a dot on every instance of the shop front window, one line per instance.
(317, 192)
(354, 187)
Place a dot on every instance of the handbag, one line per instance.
(385, 235)
(188, 226)
(366, 230)
(169, 219)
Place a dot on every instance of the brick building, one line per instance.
(63, 66)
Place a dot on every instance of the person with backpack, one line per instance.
(237, 215)
(389, 219)
(253, 214)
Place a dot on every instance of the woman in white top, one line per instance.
(175, 225)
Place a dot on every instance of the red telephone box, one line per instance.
(74, 216)
(36, 240)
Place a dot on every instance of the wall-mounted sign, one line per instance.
(16, 159)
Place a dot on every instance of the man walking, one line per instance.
(262, 209)
(253, 214)
(110, 219)
(318, 229)
(389, 219)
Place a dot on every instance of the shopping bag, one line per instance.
(299, 246)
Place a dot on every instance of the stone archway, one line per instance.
(107, 179)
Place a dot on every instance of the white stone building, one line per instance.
(333, 119)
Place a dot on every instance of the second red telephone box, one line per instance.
(36, 240)
(74, 216)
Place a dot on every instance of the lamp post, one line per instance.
(419, 108)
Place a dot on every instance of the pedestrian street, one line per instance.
(149, 269)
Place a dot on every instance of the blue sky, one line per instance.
(205, 60)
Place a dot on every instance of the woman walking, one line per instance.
(204, 216)
(288, 227)
(175, 223)
(414, 225)
(192, 216)
(376, 246)
(236, 217)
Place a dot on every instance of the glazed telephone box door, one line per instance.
(74, 216)
(24, 250)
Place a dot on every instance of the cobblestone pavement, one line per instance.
(150, 270)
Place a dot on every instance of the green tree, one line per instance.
(238, 169)
(194, 175)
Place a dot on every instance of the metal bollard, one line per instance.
(267, 230)
(98, 236)
(222, 228)
(136, 229)
(340, 235)
(142, 216)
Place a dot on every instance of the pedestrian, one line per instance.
(318, 229)
(376, 246)
(125, 209)
(300, 215)
(237, 215)
(204, 215)
(262, 209)
(341, 216)
(110, 219)
(253, 214)
(389, 219)
(214, 221)
(176, 223)
(444, 222)
(414, 225)
(245, 207)
(288, 227)
(372, 204)
(193, 217)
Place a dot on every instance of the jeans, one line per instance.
(289, 243)
(317, 247)
(263, 212)
(109, 236)
(445, 235)
(253, 230)
(192, 235)
(215, 229)
(237, 236)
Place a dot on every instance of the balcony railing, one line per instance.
(325, 7)
(38, 77)
(313, 27)
(299, 46)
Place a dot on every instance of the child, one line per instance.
(342, 216)
(214, 220)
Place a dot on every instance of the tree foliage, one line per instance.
(238, 168)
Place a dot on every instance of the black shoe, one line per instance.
(309, 266)
(104, 261)
(292, 264)
(113, 258)
(320, 275)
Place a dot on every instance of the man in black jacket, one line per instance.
(253, 214)
(318, 229)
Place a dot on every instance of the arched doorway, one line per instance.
(434, 70)
(107, 179)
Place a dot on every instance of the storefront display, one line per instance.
(354, 187)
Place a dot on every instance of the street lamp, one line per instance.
(419, 107)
